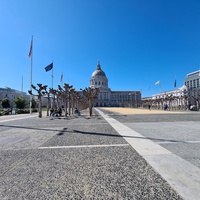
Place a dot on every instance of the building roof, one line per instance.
(98, 71)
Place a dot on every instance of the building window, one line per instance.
(190, 84)
(104, 95)
(197, 83)
(194, 83)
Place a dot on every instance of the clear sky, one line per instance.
(138, 42)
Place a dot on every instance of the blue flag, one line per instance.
(175, 83)
(49, 67)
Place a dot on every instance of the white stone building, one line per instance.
(107, 97)
(11, 94)
(172, 98)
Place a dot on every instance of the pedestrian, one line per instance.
(60, 111)
(149, 107)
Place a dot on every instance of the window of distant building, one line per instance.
(197, 83)
(190, 84)
(194, 83)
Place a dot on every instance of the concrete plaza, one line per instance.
(111, 155)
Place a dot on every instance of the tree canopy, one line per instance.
(20, 102)
(5, 103)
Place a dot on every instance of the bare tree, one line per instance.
(90, 94)
(41, 91)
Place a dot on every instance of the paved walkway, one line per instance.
(182, 175)
(81, 157)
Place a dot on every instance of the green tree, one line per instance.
(5, 103)
(20, 102)
(33, 103)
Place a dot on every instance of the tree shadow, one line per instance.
(117, 135)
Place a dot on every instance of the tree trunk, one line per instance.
(40, 107)
(90, 107)
(65, 107)
(48, 103)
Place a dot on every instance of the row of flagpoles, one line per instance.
(159, 83)
(47, 68)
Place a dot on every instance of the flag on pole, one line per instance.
(49, 67)
(175, 83)
(31, 47)
(61, 77)
(157, 83)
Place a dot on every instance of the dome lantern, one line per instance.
(99, 78)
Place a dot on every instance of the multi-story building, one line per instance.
(11, 94)
(192, 81)
(188, 95)
(107, 97)
(174, 99)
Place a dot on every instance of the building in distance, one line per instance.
(107, 97)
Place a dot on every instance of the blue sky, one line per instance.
(138, 42)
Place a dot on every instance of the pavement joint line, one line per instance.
(84, 146)
(186, 142)
(183, 176)
(7, 120)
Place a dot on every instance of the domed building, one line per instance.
(106, 97)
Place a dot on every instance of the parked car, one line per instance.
(193, 107)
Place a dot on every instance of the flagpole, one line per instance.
(160, 88)
(53, 96)
(52, 78)
(31, 74)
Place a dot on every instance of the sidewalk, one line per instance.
(78, 157)
(182, 175)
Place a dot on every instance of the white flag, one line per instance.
(158, 82)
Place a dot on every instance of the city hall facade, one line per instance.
(107, 97)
